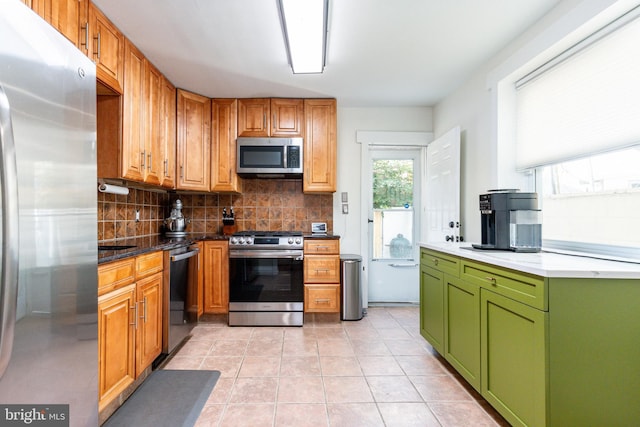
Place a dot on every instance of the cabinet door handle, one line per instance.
(143, 158)
(166, 167)
(264, 120)
(135, 316)
(99, 39)
(86, 36)
(181, 171)
(144, 310)
(150, 161)
(435, 261)
(491, 280)
(322, 300)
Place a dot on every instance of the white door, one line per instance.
(394, 224)
(442, 192)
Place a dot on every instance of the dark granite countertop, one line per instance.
(142, 245)
(327, 236)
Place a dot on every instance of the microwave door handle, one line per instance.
(285, 155)
(10, 233)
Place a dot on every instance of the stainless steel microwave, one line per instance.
(269, 157)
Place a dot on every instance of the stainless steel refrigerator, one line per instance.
(48, 188)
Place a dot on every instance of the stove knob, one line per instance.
(298, 240)
(290, 241)
(234, 240)
(249, 240)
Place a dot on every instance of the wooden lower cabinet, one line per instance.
(321, 276)
(130, 301)
(321, 298)
(116, 343)
(149, 321)
(216, 276)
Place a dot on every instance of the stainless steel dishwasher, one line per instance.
(181, 295)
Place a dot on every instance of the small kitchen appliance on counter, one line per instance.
(510, 221)
(176, 224)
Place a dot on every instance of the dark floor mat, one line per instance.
(166, 398)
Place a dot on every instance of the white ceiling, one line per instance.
(381, 53)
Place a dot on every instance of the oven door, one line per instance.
(259, 276)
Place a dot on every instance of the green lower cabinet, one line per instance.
(432, 307)
(462, 328)
(594, 341)
(514, 359)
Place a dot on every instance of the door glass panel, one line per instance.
(393, 209)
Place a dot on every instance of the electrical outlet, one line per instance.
(345, 208)
(345, 197)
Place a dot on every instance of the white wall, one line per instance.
(485, 151)
(351, 120)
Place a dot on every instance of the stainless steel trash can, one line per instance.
(350, 286)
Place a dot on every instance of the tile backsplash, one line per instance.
(265, 204)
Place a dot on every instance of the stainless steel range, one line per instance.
(266, 285)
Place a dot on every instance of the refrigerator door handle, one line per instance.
(10, 236)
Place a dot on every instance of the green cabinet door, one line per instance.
(432, 307)
(514, 360)
(462, 328)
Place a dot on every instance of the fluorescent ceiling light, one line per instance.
(305, 31)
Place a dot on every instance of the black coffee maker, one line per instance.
(510, 221)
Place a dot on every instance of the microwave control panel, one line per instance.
(293, 156)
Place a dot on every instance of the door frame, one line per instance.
(388, 139)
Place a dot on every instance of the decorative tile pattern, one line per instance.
(265, 204)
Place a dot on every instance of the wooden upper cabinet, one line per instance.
(320, 146)
(287, 117)
(168, 134)
(254, 116)
(133, 115)
(153, 146)
(63, 15)
(223, 146)
(278, 117)
(193, 141)
(105, 44)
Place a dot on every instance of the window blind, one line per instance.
(585, 101)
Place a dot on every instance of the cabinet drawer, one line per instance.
(321, 247)
(115, 275)
(322, 269)
(442, 262)
(526, 288)
(148, 264)
(322, 298)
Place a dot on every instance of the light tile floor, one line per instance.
(377, 371)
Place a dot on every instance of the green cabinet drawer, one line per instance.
(442, 262)
(523, 287)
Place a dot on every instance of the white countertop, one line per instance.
(544, 263)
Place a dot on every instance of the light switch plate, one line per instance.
(345, 197)
(345, 208)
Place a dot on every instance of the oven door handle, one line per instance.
(279, 254)
(185, 255)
